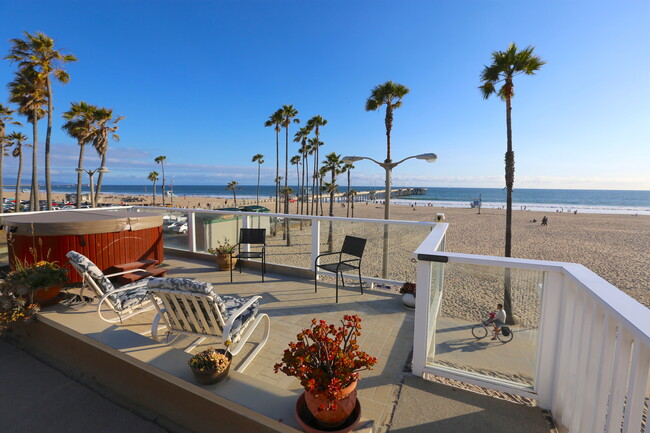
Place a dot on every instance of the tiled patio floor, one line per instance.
(291, 304)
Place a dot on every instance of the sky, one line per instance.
(196, 81)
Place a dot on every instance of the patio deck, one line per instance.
(291, 304)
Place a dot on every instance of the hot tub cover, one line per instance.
(72, 222)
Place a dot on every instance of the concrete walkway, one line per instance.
(425, 407)
(37, 398)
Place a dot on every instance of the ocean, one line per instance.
(545, 200)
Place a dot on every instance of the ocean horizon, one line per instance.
(545, 200)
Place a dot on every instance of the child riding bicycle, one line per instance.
(497, 319)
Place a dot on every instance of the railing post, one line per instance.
(246, 223)
(422, 319)
(315, 242)
(191, 232)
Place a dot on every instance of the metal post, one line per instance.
(384, 261)
(315, 242)
(92, 189)
(191, 232)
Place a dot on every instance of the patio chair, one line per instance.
(125, 301)
(352, 246)
(251, 237)
(192, 307)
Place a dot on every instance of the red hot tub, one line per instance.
(107, 238)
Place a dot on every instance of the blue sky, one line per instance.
(197, 79)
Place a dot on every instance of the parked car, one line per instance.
(180, 228)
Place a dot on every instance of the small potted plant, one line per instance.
(211, 366)
(224, 251)
(327, 360)
(14, 310)
(39, 282)
(408, 294)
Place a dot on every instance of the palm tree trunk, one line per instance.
(80, 174)
(48, 133)
(162, 165)
(100, 177)
(286, 171)
(20, 172)
(154, 194)
(259, 167)
(33, 198)
(277, 169)
(510, 178)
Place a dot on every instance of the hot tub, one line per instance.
(108, 238)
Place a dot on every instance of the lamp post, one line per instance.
(388, 165)
(90, 175)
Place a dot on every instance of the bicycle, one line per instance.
(481, 330)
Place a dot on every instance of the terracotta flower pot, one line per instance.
(309, 424)
(212, 377)
(332, 418)
(224, 262)
(47, 296)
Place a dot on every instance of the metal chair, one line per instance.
(251, 237)
(352, 246)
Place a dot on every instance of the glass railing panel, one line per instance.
(464, 294)
(211, 229)
(289, 241)
(175, 228)
(403, 239)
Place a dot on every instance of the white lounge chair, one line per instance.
(193, 308)
(125, 301)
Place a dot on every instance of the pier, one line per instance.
(378, 194)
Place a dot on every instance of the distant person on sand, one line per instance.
(498, 319)
(545, 221)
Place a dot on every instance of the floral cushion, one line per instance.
(131, 297)
(182, 284)
(232, 304)
(83, 263)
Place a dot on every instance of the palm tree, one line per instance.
(5, 119)
(234, 187)
(161, 160)
(314, 124)
(288, 115)
(301, 137)
(29, 92)
(295, 160)
(334, 166)
(17, 139)
(351, 194)
(37, 52)
(389, 94)
(505, 66)
(259, 159)
(275, 121)
(153, 176)
(104, 125)
(347, 168)
(79, 125)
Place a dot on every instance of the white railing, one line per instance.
(437, 229)
(593, 347)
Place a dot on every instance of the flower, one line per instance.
(27, 278)
(407, 288)
(222, 248)
(210, 361)
(327, 359)
(15, 310)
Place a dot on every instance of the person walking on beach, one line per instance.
(498, 320)
(544, 221)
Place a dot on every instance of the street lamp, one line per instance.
(90, 175)
(388, 165)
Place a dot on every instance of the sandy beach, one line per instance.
(613, 246)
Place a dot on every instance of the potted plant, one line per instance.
(211, 365)
(39, 282)
(14, 310)
(327, 360)
(408, 294)
(224, 251)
